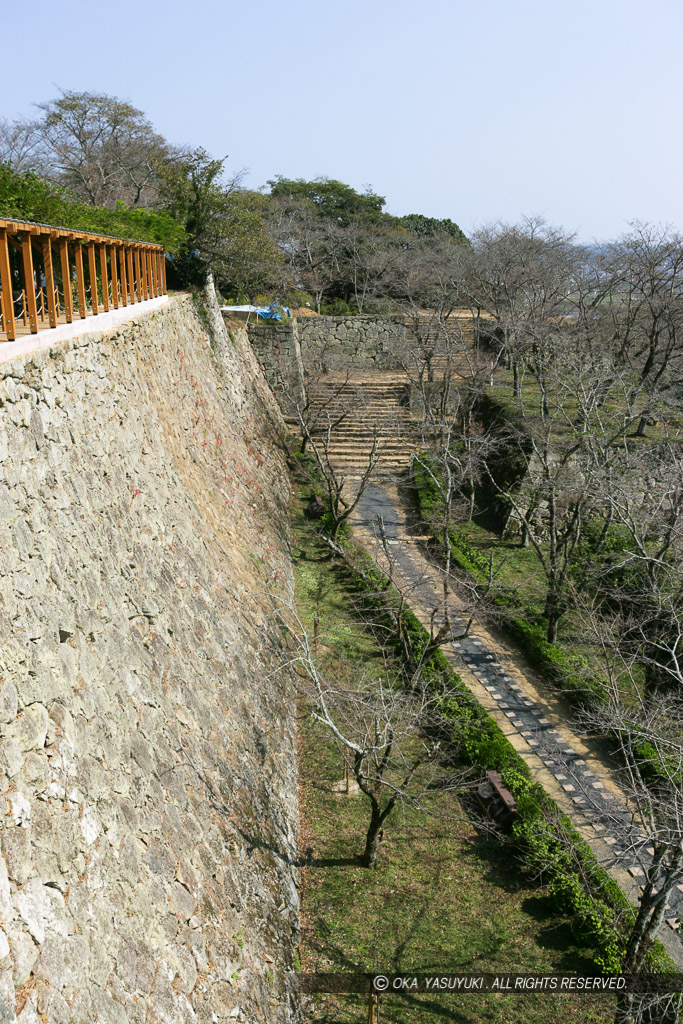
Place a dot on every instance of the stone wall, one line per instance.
(367, 342)
(277, 346)
(324, 343)
(147, 759)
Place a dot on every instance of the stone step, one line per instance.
(392, 424)
(369, 410)
(360, 409)
(337, 408)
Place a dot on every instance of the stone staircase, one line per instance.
(359, 410)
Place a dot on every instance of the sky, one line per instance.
(477, 111)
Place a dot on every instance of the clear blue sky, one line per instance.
(474, 111)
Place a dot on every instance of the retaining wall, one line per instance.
(148, 777)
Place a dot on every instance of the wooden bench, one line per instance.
(495, 800)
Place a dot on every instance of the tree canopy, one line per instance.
(95, 162)
(432, 227)
(342, 248)
(102, 149)
(332, 199)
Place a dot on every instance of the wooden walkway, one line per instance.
(93, 274)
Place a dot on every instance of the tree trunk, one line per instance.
(369, 858)
(472, 498)
(553, 612)
(651, 911)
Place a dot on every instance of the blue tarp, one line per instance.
(272, 312)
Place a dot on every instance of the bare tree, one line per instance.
(630, 603)
(641, 313)
(343, 490)
(309, 243)
(396, 741)
(100, 148)
(20, 145)
(520, 277)
(648, 732)
(370, 261)
(640, 577)
(649, 735)
(567, 443)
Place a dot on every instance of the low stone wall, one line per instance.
(148, 834)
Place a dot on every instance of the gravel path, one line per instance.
(595, 807)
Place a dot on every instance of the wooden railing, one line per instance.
(51, 276)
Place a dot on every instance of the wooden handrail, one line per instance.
(35, 261)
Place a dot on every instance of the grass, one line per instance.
(521, 574)
(518, 568)
(443, 898)
(564, 411)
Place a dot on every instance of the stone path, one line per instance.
(578, 781)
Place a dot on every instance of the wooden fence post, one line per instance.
(122, 271)
(105, 278)
(29, 282)
(114, 277)
(66, 280)
(138, 277)
(8, 321)
(131, 275)
(145, 279)
(49, 280)
(80, 280)
(93, 278)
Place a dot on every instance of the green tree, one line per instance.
(25, 196)
(431, 227)
(225, 232)
(332, 199)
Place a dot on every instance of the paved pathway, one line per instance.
(581, 786)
